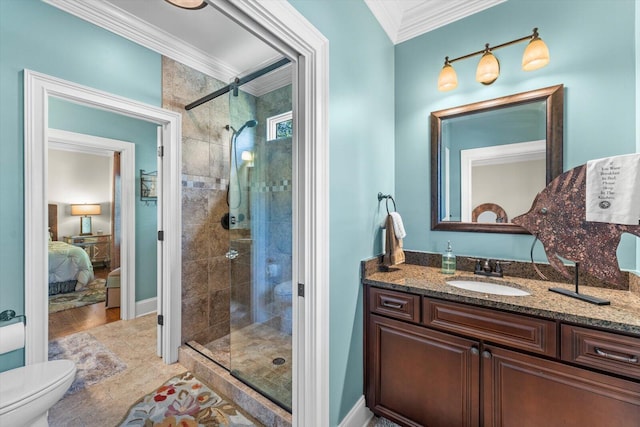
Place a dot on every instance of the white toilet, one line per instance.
(27, 393)
(282, 295)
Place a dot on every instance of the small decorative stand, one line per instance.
(148, 187)
(578, 295)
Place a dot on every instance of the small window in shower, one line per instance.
(280, 126)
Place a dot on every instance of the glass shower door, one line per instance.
(260, 246)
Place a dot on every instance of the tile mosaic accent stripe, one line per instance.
(192, 181)
(272, 187)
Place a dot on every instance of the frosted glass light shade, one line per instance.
(188, 4)
(536, 55)
(488, 69)
(85, 209)
(448, 79)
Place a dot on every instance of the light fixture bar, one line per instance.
(536, 55)
(487, 46)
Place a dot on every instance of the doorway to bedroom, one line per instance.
(92, 190)
(84, 263)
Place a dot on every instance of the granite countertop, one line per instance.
(622, 315)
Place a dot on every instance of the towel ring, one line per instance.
(387, 196)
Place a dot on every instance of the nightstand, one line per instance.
(97, 246)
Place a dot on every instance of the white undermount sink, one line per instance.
(487, 287)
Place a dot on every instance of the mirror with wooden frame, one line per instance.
(498, 152)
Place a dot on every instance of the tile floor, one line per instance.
(253, 355)
(106, 403)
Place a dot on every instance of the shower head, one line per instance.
(248, 124)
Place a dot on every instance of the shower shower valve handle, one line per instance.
(232, 254)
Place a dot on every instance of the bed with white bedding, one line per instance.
(70, 267)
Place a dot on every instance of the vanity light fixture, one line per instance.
(536, 55)
(188, 4)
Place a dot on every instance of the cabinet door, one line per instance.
(420, 377)
(100, 251)
(526, 391)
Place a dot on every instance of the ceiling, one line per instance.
(210, 42)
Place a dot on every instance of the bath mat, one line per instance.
(94, 292)
(94, 362)
(381, 422)
(184, 401)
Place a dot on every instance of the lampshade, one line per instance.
(448, 78)
(85, 209)
(536, 55)
(488, 69)
(247, 156)
(188, 4)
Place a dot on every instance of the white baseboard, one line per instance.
(146, 306)
(358, 416)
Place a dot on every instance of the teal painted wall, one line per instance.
(361, 126)
(75, 118)
(599, 100)
(58, 44)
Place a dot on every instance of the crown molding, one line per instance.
(270, 82)
(124, 24)
(433, 14)
(389, 15)
(403, 20)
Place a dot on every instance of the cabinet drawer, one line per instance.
(601, 350)
(399, 305)
(513, 330)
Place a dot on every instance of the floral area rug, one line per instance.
(184, 401)
(94, 292)
(94, 362)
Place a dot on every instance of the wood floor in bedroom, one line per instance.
(79, 319)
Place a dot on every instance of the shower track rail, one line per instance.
(237, 82)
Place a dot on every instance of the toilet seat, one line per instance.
(22, 385)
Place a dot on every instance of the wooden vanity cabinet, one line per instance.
(421, 377)
(601, 350)
(463, 365)
(527, 391)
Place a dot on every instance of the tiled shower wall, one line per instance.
(205, 171)
(206, 283)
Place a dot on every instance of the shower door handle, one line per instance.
(232, 254)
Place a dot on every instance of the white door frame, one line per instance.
(38, 88)
(284, 28)
(492, 155)
(61, 139)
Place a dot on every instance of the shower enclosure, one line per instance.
(253, 340)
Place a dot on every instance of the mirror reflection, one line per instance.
(490, 159)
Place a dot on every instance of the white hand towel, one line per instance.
(613, 190)
(398, 226)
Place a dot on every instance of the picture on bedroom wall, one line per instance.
(85, 225)
(148, 187)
